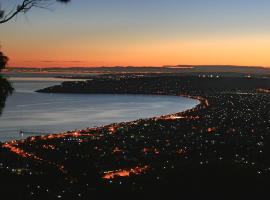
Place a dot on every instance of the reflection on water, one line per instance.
(5, 90)
(41, 113)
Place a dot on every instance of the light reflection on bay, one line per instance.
(51, 113)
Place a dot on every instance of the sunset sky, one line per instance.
(140, 33)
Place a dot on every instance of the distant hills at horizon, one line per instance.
(149, 69)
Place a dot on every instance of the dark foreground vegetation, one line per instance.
(219, 148)
(5, 90)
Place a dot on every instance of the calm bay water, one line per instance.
(38, 113)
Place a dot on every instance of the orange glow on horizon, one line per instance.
(242, 51)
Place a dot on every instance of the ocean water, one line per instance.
(37, 113)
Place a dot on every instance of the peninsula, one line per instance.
(222, 144)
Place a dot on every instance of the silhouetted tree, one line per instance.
(24, 7)
(5, 16)
(5, 86)
(3, 61)
(5, 90)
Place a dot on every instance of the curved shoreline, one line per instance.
(214, 144)
(13, 145)
(169, 116)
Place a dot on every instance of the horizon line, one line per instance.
(134, 66)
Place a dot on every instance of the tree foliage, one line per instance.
(3, 60)
(5, 86)
(24, 7)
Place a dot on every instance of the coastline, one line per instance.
(170, 116)
(212, 144)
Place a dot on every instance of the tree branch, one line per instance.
(24, 7)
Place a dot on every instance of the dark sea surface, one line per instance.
(39, 113)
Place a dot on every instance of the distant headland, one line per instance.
(181, 69)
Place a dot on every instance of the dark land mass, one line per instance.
(220, 148)
(181, 69)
